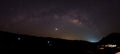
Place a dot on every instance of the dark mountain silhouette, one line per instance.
(109, 44)
(12, 42)
(111, 38)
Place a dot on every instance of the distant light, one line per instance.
(93, 41)
(19, 38)
(118, 47)
(101, 48)
(48, 42)
(110, 45)
(117, 53)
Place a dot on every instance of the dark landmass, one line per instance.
(11, 42)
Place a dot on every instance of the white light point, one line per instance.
(56, 29)
(48, 42)
(19, 38)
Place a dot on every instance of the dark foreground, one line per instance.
(20, 44)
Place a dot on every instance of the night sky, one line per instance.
(88, 20)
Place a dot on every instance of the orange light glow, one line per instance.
(117, 53)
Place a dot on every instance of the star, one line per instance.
(56, 29)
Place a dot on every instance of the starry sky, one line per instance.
(88, 20)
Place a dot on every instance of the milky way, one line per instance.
(73, 20)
